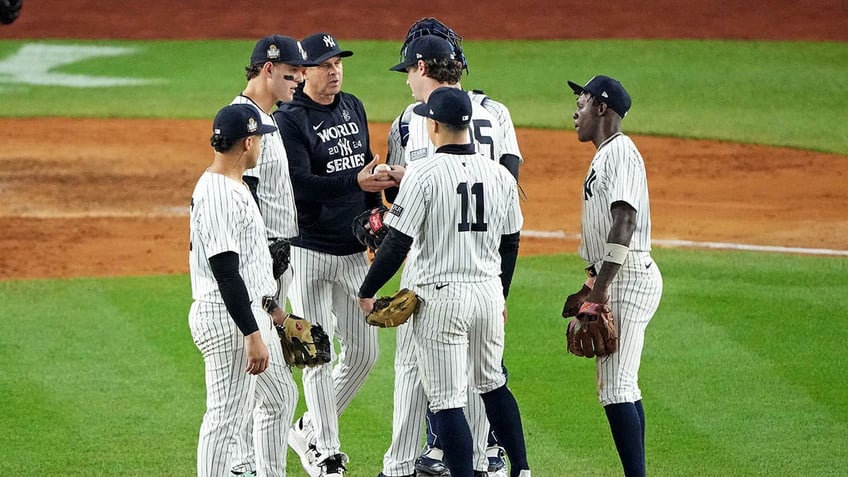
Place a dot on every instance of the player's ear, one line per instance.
(602, 109)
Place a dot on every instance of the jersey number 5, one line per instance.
(481, 125)
(479, 224)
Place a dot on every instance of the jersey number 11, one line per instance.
(479, 224)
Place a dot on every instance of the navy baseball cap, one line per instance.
(320, 47)
(428, 47)
(446, 105)
(240, 120)
(606, 90)
(279, 49)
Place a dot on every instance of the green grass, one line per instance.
(775, 93)
(743, 368)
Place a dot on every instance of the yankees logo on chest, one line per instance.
(591, 179)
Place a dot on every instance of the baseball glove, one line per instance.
(395, 310)
(304, 344)
(280, 254)
(592, 332)
(368, 227)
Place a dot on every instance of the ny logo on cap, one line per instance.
(328, 41)
(302, 51)
(273, 52)
(251, 124)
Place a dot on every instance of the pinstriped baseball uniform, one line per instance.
(456, 269)
(277, 206)
(494, 136)
(225, 218)
(276, 199)
(617, 173)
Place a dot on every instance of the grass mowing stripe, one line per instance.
(730, 90)
(738, 370)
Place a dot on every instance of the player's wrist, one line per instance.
(615, 252)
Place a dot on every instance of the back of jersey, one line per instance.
(456, 207)
(408, 140)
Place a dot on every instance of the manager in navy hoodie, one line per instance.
(325, 132)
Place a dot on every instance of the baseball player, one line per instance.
(275, 70)
(430, 62)
(616, 245)
(325, 131)
(230, 268)
(462, 272)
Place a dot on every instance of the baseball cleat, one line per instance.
(431, 463)
(301, 440)
(333, 466)
(497, 461)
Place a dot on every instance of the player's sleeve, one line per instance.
(514, 219)
(390, 256)
(395, 142)
(219, 220)
(508, 138)
(626, 173)
(408, 211)
(225, 268)
(295, 130)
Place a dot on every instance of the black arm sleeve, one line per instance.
(512, 163)
(391, 194)
(388, 260)
(509, 254)
(233, 291)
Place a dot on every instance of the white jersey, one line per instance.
(509, 141)
(491, 126)
(617, 173)
(276, 197)
(224, 218)
(456, 207)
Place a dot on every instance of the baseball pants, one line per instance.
(634, 298)
(410, 407)
(231, 392)
(324, 290)
(244, 458)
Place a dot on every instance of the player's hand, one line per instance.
(257, 353)
(397, 173)
(573, 302)
(366, 305)
(370, 181)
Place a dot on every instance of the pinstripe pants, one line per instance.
(410, 406)
(324, 290)
(244, 457)
(231, 392)
(634, 297)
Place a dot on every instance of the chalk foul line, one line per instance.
(561, 235)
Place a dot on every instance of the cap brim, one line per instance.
(421, 109)
(576, 87)
(266, 129)
(401, 67)
(298, 62)
(327, 56)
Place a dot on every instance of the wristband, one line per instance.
(269, 304)
(615, 253)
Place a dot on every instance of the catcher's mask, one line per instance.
(432, 26)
